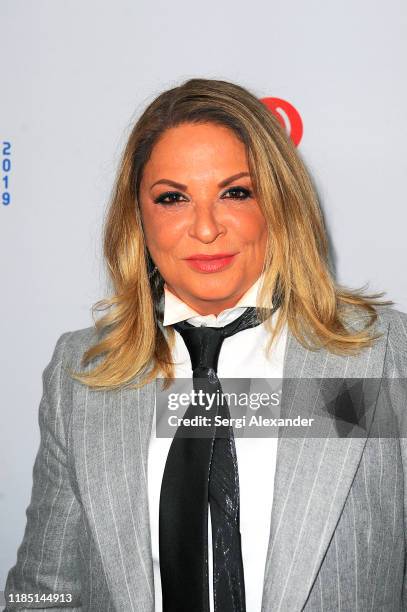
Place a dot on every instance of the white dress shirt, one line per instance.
(241, 356)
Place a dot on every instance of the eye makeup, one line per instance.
(247, 193)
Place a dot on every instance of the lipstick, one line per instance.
(210, 263)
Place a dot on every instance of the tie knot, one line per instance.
(204, 343)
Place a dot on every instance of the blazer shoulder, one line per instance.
(391, 323)
(71, 345)
(385, 315)
(67, 357)
(395, 321)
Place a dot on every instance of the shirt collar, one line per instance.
(176, 310)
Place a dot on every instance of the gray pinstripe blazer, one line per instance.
(337, 537)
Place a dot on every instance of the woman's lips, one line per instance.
(211, 265)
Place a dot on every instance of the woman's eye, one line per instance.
(235, 191)
(172, 195)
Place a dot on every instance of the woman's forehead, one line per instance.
(203, 151)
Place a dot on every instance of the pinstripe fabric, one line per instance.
(337, 532)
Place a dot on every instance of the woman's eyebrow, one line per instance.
(232, 178)
(183, 187)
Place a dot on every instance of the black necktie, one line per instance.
(199, 470)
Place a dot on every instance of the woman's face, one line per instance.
(196, 198)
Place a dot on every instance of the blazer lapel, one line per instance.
(111, 432)
(313, 475)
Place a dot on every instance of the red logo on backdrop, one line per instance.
(288, 117)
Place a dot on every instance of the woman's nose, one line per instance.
(206, 224)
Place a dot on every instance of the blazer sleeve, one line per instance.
(398, 370)
(47, 559)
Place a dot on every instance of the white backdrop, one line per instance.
(75, 75)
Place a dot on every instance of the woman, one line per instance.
(218, 257)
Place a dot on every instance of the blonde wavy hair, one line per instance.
(132, 344)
